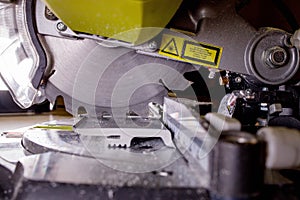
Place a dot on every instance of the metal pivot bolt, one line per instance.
(276, 57)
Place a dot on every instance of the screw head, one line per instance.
(265, 89)
(238, 79)
(152, 45)
(248, 92)
(61, 26)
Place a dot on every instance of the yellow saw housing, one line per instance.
(110, 18)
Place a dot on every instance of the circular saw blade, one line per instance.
(99, 78)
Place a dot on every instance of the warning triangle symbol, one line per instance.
(171, 48)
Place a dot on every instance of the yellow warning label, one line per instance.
(171, 48)
(190, 51)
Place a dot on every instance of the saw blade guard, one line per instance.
(110, 17)
(19, 60)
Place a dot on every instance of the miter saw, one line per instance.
(171, 99)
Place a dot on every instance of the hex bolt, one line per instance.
(61, 26)
(276, 57)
